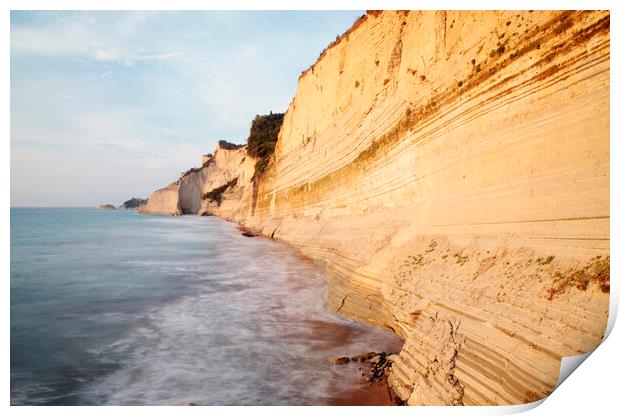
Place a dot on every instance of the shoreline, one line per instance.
(373, 389)
(365, 392)
(375, 394)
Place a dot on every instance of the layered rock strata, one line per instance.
(185, 195)
(451, 170)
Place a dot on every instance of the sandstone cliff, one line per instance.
(451, 170)
(185, 195)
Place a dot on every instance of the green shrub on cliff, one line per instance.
(216, 194)
(262, 139)
(229, 146)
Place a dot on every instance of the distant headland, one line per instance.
(133, 203)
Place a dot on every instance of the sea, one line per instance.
(120, 308)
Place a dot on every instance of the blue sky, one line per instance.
(110, 105)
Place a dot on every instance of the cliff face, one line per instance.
(451, 169)
(185, 195)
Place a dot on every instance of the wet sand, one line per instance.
(362, 393)
(329, 337)
(376, 394)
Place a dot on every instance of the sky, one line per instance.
(106, 106)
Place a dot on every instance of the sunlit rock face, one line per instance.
(451, 170)
(185, 196)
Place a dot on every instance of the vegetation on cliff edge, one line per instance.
(262, 139)
(229, 146)
(216, 194)
(133, 203)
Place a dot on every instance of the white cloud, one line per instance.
(111, 55)
(50, 40)
(131, 58)
(101, 76)
(85, 37)
(197, 35)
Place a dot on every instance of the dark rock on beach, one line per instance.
(375, 370)
(340, 361)
(364, 357)
(246, 232)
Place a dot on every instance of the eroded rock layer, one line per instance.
(451, 170)
(185, 196)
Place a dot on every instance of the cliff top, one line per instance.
(223, 144)
(345, 36)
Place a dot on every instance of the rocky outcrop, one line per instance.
(132, 203)
(451, 170)
(185, 196)
(105, 206)
(164, 201)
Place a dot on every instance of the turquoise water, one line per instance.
(114, 307)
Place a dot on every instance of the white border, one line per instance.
(593, 387)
